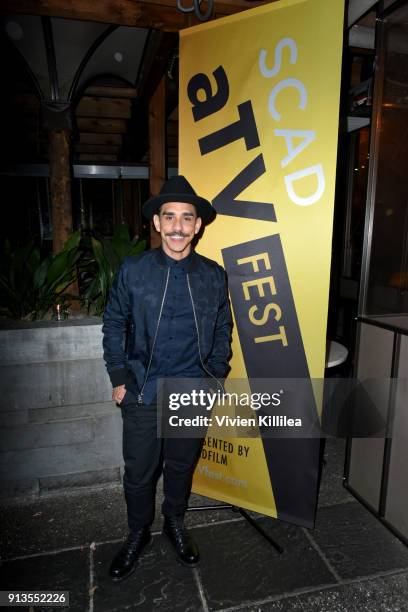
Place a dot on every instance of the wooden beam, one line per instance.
(109, 108)
(157, 147)
(97, 157)
(106, 126)
(97, 148)
(60, 189)
(156, 14)
(173, 117)
(172, 127)
(100, 139)
(105, 91)
(221, 7)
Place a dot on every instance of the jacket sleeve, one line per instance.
(221, 352)
(115, 321)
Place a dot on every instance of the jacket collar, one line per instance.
(161, 261)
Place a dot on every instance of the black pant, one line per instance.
(144, 455)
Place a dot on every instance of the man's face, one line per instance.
(178, 224)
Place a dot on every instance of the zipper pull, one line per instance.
(140, 398)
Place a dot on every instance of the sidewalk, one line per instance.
(350, 562)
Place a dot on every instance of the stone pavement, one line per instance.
(350, 562)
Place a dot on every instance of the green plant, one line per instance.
(101, 267)
(30, 284)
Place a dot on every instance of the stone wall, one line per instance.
(58, 426)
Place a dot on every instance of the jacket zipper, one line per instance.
(140, 396)
(198, 338)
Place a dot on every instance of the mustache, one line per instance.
(180, 234)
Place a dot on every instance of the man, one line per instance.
(172, 305)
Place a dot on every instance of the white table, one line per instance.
(336, 354)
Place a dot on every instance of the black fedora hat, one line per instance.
(178, 189)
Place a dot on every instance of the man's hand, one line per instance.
(118, 393)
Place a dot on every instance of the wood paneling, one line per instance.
(111, 92)
(106, 126)
(115, 108)
(96, 148)
(100, 139)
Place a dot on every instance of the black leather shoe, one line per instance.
(125, 561)
(186, 548)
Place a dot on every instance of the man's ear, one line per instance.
(156, 221)
(198, 224)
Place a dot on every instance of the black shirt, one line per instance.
(176, 349)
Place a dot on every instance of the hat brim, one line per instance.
(204, 208)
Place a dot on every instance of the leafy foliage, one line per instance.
(102, 264)
(30, 284)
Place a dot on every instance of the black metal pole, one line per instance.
(246, 516)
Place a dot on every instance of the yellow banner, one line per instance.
(258, 116)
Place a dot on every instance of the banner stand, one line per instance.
(246, 516)
(258, 127)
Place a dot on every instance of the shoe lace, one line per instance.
(132, 542)
(178, 528)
